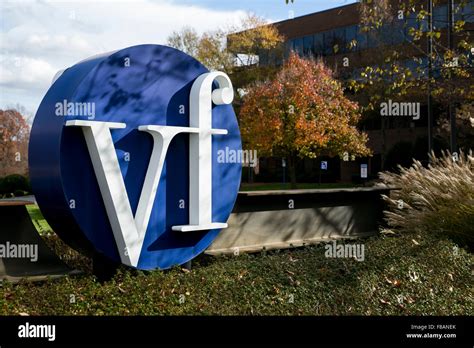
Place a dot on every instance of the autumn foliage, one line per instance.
(302, 112)
(14, 135)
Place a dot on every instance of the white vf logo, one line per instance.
(129, 231)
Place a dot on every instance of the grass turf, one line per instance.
(402, 275)
(287, 186)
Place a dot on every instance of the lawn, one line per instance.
(287, 186)
(402, 275)
(38, 220)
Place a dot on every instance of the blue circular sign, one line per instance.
(129, 92)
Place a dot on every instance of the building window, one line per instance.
(351, 35)
(397, 33)
(423, 25)
(361, 39)
(298, 46)
(289, 46)
(411, 22)
(386, 34)
(440, 17)
(308, 45)
(339, 40)
(318, 46)
(468, 12)
(328, 42)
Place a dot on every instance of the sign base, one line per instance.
(23, 253)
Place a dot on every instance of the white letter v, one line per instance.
(129, 232)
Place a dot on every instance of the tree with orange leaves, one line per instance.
(14, 135)
(302, 112)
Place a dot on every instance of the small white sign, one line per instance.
(363, 171)
(324, 165)
(283, 163)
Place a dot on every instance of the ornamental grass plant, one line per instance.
(438, 198)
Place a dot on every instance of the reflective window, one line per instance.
(423, 25)
(318, 44)
(328, 42)
(291, 45)
(418, 68)
(458, 12)
(411, 22)
(361, 39)
(351, 35)
(397, 33)
(387, 34)
(440, 17)
(468, 12)
(374, 38)
(298, 46)
(339, 40)
(308, 45)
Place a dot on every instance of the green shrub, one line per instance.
(438, 198)
(19, 193)
(14, 182)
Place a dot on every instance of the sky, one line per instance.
(39, 38)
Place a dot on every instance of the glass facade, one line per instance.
(339, 40)
(440, 17)
(467, 13)
(362, 40)
(298, 46)
(318, 44)
(308, 45)
(351, 36)
(328, 42)
(324, 43)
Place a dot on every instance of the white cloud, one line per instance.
(25, 73)
(38, 38)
